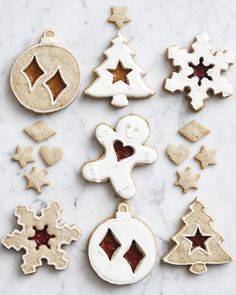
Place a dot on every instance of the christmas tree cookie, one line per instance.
(119, 77)
(197, 243)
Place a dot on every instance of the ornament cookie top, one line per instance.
(45, 77)
(197, 243)
(124, 148)
(122, 250)
(119, 76)
(199, 71)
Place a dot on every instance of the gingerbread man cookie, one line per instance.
(124, 149)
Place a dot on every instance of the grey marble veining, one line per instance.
(81, 27)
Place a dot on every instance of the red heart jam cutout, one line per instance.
(122, 151)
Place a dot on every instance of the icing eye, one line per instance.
(136, 129)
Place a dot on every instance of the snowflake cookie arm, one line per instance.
(105, 134)
(145, 155)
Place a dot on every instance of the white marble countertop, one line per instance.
(81, 26)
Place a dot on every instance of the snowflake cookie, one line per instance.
(197, 243)
(124, 148)
(41, 237)
(199, 71)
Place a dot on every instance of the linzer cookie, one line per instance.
(50, 155)
(197, 243)
(119, 77)
(199, 71)
(193, 131)
(122, 249)
(36, 179)
(124, 148)
(187, 179)
(46, 77)
(41, 237)
(177, 153)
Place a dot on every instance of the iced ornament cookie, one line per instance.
(197, 244)
(46, 77)
(119, 77)
(199, 71)
(122, 250)
(41, 237)
(124, 148)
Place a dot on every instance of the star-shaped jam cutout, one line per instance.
(36, 179)
(200, 71)
(198, 240)
(41, 237)
(120, 73)
(119, 16)
(23, 155)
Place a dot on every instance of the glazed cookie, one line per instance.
(197, 244)
(199, 71)
(41, 237)
(119, 77)
(124, 148)
(122, 250)
(46, 77)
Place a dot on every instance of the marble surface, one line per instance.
(81, 26)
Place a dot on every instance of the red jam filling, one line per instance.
(200, 71)
(122, 151)
(198, 240)
(41, 237)
(134, 256)
(109, 244)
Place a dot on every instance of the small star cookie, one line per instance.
(119, 16)
(206, 157)
(187, 179)
(36, 179)
(23, 155)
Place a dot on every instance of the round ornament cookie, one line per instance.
(122, 250)
(45, 77)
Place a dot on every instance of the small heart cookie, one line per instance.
(50, 155)
(177, 153)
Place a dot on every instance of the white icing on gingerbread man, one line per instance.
(124, 149)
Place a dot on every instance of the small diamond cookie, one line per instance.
(23, 155)
(36, 179)
(41, 237)
(177, 153)
(199, 71)
(50, 155)
(193, 131)
(39, 131)
(187, 179)
(206, 157)
(119, 16)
